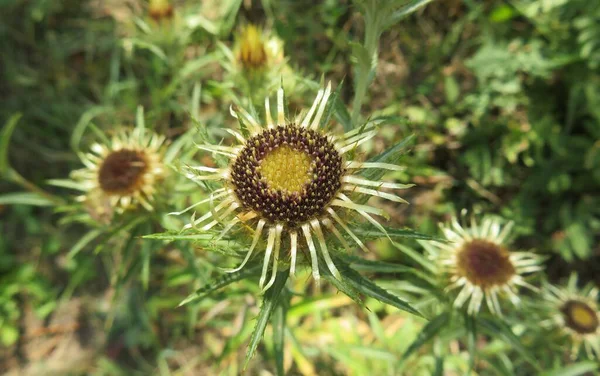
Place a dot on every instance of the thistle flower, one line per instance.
(255, 51)
(576, 313)
(160, 10)
(290, 180)
(478, 263)
(122, 173)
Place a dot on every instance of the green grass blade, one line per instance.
(270, 301)
(220, 282)
(5, 136)
(496, 328)
(429, 331)
(278, 323)
(25, 198)
(577, 369)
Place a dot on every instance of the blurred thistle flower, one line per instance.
(256, 63)
(122, 173)
(576, 313)
(160, 10)
(288, 179)
(477, 262)
(255, 50)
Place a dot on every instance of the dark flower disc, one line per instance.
(280, 158)
(122, 171)
(485, 264)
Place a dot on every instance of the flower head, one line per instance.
(255, 51)
(290, 180)
(160, 10)
(123, 172)
(576, 313)
(477, 261)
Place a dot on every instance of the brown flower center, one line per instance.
(122, 171)
(485, 264)
(287, 174)
(580, 317)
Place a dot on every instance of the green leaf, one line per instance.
(439, 366)
(156, 50)
(176, 235)
(360, 53)
(279, 317)
(429, 331)
(496, 328)
(404, 12)
(222, 281)
(5, 136)
(330, 108)
(366, 287)
(392, 233)
(576, 369)
(344, 287)
(82, 242)
(374, 266)
(391, 155)
(25, 198)
(364, 265)
(341, 112)
(270, 301)
(85, 121)
(471, 326)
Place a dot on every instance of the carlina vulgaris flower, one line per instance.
(255, 50)
(576, 313)
(160, 10)
(123, 172)
(477, 261)
(291, 180)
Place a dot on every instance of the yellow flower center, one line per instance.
(287, 169)
(485, 264)
(580, 317)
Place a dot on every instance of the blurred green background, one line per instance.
(503, 97)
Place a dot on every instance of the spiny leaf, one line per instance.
(365, 286)
(344, 287)
(341, 112)
(393, 233)
(363, 265)
(270, 301)
(330, 108)
(176, 235)
(429, 331)
(221, 282)
(390, 155)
